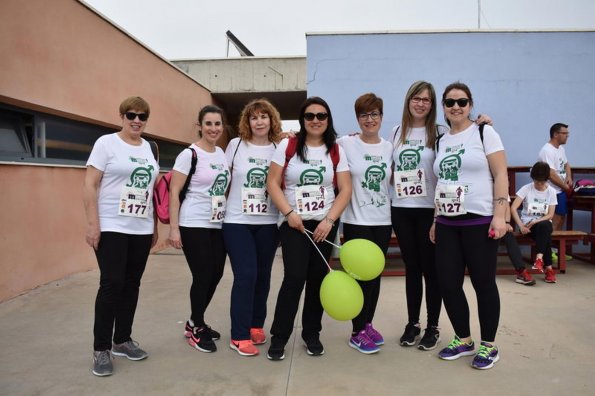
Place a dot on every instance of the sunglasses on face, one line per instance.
(319, 116)
(463, 102)
(130, 115)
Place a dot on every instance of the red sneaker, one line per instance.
(257, 336)
(550, 276)
(524, 278)
(538, 265)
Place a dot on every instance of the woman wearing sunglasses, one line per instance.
(470, 200)
(412, 211)
(195, 224)
(302, 185)
(121, 228)
(368, 214)
(250, 228)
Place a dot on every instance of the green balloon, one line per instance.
(362, 259)
(341, 296)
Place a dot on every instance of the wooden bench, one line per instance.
(560, 239)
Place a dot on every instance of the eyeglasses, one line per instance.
(319, 116)
(130, 115)
(373, 115)
(417, 100)
(463, 102)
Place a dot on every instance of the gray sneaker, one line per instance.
(130, 350)
(102, 363)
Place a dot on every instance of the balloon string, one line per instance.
(326, 240)
(321, 255)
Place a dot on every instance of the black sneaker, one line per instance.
(215, 335)
(276, 350)
(314, 346)
(411, 332)
(430, 339)
(201, 340)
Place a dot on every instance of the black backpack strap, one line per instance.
(395, 135)
(184, 189)
(234, 158)
(154, 149)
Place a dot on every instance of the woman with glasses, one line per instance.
(195, 223)
(368, 214)
(470, 200)
(250, 227)
(121, 229)
(412, 210)
(311, 187)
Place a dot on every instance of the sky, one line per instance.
(183, 29)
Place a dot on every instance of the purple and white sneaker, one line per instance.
(374, 334)
(456, 349)
(363, 343)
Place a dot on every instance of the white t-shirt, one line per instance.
(317, 170)
(250, 169)
(556, 159)
(462, 161)
(124, 166)
(209, 180)
(415, 155)
(370, 167)
(535, 203)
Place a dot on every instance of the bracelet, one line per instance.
(288, 213)
(500, 200)
(330, 221)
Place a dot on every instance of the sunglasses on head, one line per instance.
(463, 102)
(319, 116)
(130, 115)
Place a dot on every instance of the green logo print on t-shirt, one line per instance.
(220, 184)
(256, 177)
(409, 159)
(449, 167)
(312, 177)
(141, 177)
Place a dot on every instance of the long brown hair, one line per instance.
(415, 89)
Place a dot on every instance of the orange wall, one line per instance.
(43, 227)
(60, 56)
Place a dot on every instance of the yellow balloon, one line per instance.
(362, 259)
(341, 296)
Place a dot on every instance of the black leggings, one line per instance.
(303, 265)
(460, 247)
(205, 254)
(122, 259)
(380, 235)
(412, 227)
(541, 233)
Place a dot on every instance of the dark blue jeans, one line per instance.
(122, 259)
(251, 249)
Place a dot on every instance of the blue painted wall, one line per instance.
(525, 80)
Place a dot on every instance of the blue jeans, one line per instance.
(251, 250)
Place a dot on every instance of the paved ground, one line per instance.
(545, 339)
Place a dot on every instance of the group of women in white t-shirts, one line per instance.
(442, 191)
